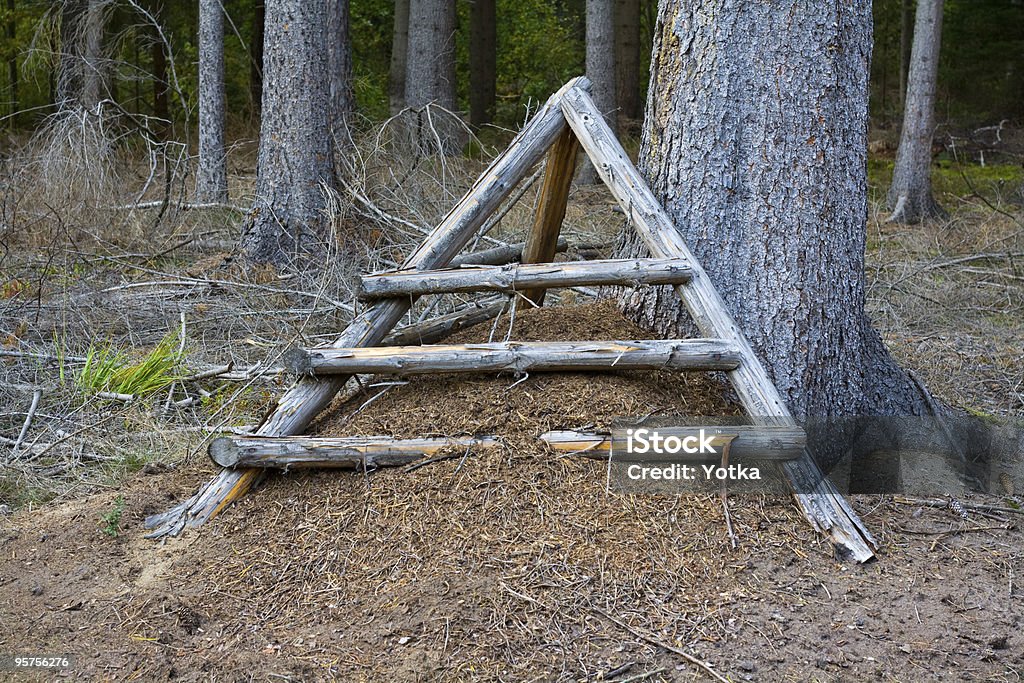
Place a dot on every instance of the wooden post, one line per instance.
(309, 396)
(527, 277)
(554, 196)
(517, 357)
(822, 504)
(298, 452)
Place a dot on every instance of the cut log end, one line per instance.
(223, 452)
(298, 361)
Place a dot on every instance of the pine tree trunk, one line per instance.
(69, 68)
(755, 142)
(910, 195)
(340, 63)
(93, 66)
(399, 53)
(906, 43)
(295, 135)
(256, 55)
(211, 176)
(430, 74)
(161, 84)
(627, 57)
(483, 39)
(601, 68)
(12, 65)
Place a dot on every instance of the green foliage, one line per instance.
(108, 369)
(952, 178)
(112, 518)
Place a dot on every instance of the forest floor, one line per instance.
(507, 564)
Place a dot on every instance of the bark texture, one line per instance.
(906, 43)
(295, 135)
(399, 52)
(910, 195)
(430, 75)
(80, 68)
(340, 62)
(256, 55)
(601, 68)
(483, 37)
(755, 143)
(627, 58)
(12, 66)
(212, 174)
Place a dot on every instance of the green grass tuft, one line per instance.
(108, 369)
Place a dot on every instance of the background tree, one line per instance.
(340, 64)
(627, 58)
(295, 148)
(211, 176)
(483, 39)
(601, 67)
(399, 52)
(12, 64)
(906, 45)
(910, 194)
(755, 143)
(430, 71)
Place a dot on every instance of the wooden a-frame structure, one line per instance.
(567, 121)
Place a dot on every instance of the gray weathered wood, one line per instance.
(760, 442)
(499, 256)
(520, 277)
(435, 329)
(676, 354)
(294, 452)
(309, 396)
(826, 509)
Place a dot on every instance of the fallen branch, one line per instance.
(36, 395)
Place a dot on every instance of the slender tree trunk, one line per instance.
(483, 39)
(287, 218)
(601, 68)
(399, 53)
(212, 174)
(12, 64)
(340, 62)
(755, 142)
(910, 195)
(627, 57)
(161, 83)
(93, 66)
(256, 55)
(430, 74)
(906, 43)
(69, 68)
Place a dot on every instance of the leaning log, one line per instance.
(435, 329)
(517, 277)
(310, 395)
(825, 508)
(754, 442)
(357, 452)
(499, 256)
(518, 357)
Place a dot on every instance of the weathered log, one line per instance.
(518, 277)
(436, 329)
(551, 204)
(756, 442)
(499, 256)
(309, 396)
(293, 452)
(825, 508)
(518, 357)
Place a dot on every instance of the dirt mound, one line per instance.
(507, 564)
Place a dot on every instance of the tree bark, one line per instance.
(906, 43)
(287, 218)
(483, 38)
(601, 68)
(755, 143)
(69, 71)
(12, 65)
(161, 84)
(399, 53)
(256, 55)
(211, 176)
(627, 58)
(340, 62)
(430, 74)
(93, 66)
(910, 195)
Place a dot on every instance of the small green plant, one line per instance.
(111, 370)
(112, 519)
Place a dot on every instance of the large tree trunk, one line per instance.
(340, 63)
(627, 57)
(910, 195)
(256, 55)
(399, 53)
(430, 74)
(906, 43)
(483, 38)
(211, 176)
(601, 68)
(755, 142)
(295, 135)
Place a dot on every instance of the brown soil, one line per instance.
(507, 564)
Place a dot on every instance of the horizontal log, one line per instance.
(293, 452)
(521, 276)
(677, 354)
(499, 256)
(756, 442)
